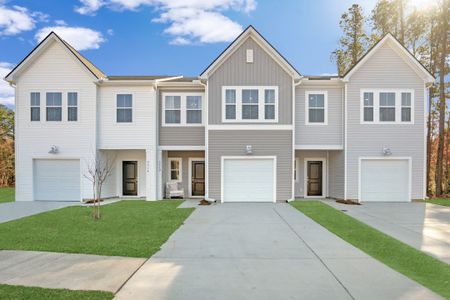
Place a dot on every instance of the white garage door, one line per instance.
(57, 180)
(385, 180)
(248, 180)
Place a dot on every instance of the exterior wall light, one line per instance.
(248, 150)
(387, 151)
(53, 150)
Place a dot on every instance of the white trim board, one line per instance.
(182, 148)
(319, 147)
(250, 127)
(222, 161)
(190, 160)
(324, 176)
(408, 158)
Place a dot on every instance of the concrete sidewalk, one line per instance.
(263, 251)
(68, 271)
(16, 210)
(423, 226)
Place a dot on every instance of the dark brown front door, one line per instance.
(198, 178)
(314, 183)
(129, 178)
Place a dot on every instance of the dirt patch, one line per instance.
(348, 202)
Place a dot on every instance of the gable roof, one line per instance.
(251, 31)
(401, 50)
(96, 72)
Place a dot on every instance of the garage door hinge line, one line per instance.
(315, 254)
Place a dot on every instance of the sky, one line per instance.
(170, 37)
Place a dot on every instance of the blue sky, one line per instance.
(171, 37)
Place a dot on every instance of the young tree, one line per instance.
(353, 43)
(443, 71)
(99, 169)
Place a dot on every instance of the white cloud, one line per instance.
(80, 38)
(329, 74)
(6, 91)
(15, 19)
(190, 21)
(110, 32)
(60, 23)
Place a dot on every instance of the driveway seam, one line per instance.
(315, 254)
(131, 275)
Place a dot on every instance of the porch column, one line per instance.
(151, 166)
(160, 183)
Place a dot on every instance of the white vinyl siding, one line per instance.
(316, 108)
(56, 179)
(248, 179)
(387, 106)
(385, 180)
(124, 106)
(35, 106)
(53, 106)
(72, 106)
(249, 104)
(182, 109)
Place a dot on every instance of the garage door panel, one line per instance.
(57, 180)
(248, 180)
(385, 180)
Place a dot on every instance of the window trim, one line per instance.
(132, 108)
(35, 106)
(261, 104)
(183, 109)
(376, 106)
(325, 103)
(180, 170)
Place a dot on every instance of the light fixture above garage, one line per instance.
(53, 150)
(248, 150)
(386, 151)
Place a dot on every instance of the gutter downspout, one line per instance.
(205, 85)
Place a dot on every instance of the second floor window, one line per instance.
(54, 106)
(124, 108)
(316, 108)
(387, 106)
(250, 104)
(35, 106)
(72, 106)
(182, 109)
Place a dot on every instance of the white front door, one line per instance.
(248, 179)
(385, 180)
(56, 179)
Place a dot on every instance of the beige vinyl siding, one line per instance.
(264, 71)
(264, 143)
(54, 70)
(385, 69)
(141, 132)
(181, 135)
(184, 155)
(331, 134)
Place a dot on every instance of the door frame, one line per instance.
(407, 158)
(190, 160)
(324, 176)
(222, 163)
(121, 178)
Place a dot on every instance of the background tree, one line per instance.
(353, 43)
(7, 172)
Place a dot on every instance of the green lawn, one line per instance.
(16, 292)
(413, 263)
(439, 201)
(7, 194)
(127, 228)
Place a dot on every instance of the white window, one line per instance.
(182, 109)
(72, 106)
(296, 165)
(175, 170)
(249, 55)
(250, 104)
(193, 109)
(35, 106)
(124, 108)
(387, 106)
(54, 106)
(316, 108)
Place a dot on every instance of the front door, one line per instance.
(198, 178)
(314, 180)
(129, 178)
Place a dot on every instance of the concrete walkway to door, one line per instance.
(16, 210)
(263, 251)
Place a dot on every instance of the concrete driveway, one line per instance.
(263, 251)
(423, 226)
(15, 210)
